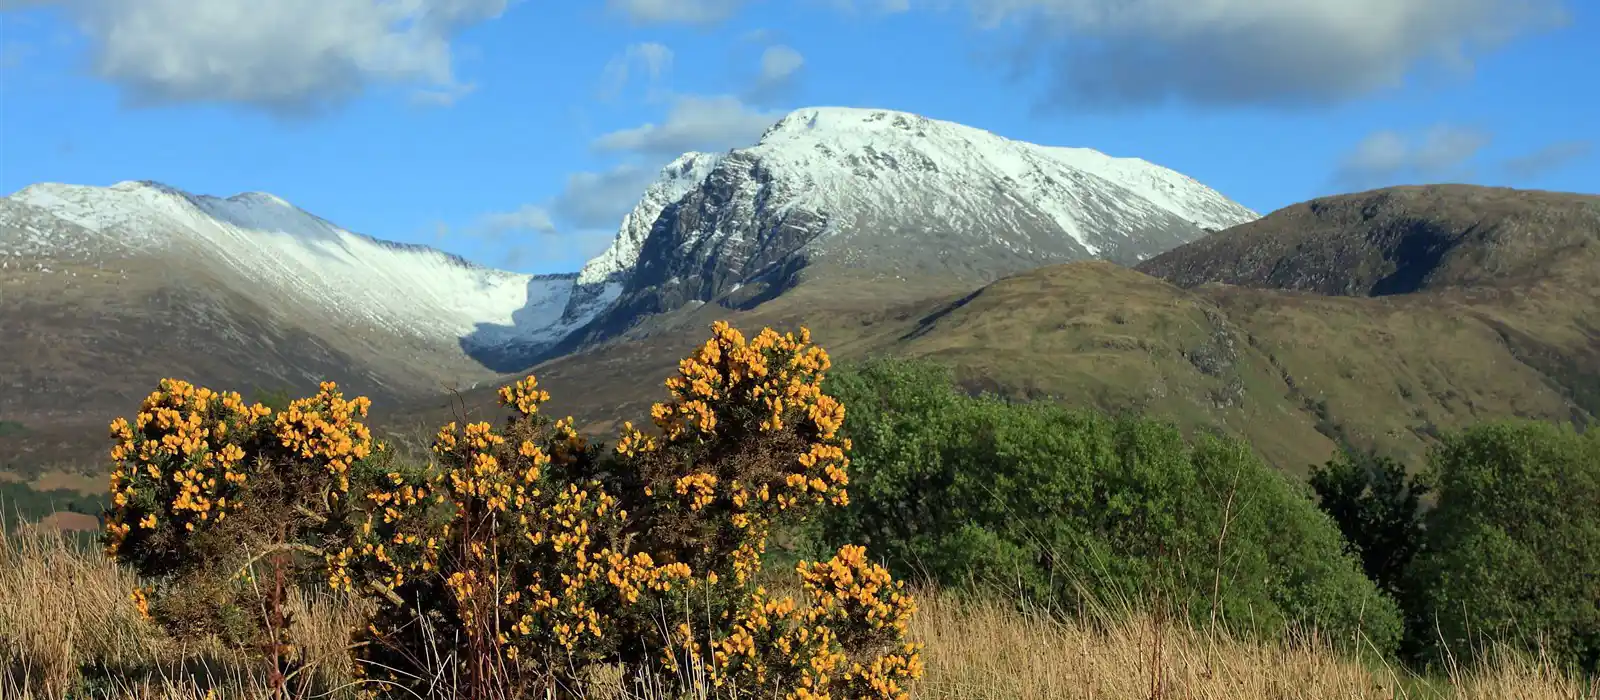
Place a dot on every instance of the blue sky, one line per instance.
(517, 133)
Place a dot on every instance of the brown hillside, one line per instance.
(1396, 240)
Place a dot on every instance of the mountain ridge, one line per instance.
(1393, 241)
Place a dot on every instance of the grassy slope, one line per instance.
(1394, 240)
(95, 344)
(1287, 371)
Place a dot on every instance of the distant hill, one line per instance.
(1397, 240)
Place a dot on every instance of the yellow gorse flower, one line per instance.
(179, 458)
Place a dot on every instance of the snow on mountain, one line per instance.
(893, 193)
(867, 158)
(299, 263)
(1168, 189)
(874, 191)
(602, 279)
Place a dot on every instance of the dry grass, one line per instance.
(990, 650)
(67, 630)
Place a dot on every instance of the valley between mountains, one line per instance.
(1375, 319)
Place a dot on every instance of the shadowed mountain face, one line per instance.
(1395, 241)
(1294, 371)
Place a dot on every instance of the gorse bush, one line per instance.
(208, 493)
(522, 555)
(1075, 509)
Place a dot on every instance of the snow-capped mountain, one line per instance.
(887, 193)
(861, 192)
(266, 247)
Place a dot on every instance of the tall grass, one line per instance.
(68, 630)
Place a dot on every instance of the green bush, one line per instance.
(1378, 509)
(1512, 549)
(1076, 508)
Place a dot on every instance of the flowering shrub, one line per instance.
(522, 555)
(748, 438)
(507, 551)
(848, 640)
(206, 488)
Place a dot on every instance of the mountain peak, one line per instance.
(845, 119)
(148, 185)
(296, 264)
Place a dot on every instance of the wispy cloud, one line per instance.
(674, 11)
(654, 59)
(1114, 53)
(693, 123)
(1384, 157)
(1550, 158)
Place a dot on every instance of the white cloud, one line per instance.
(1386, 156)
(445, 96)
(759, 35)
(778, 63)
(527, 236)
(579, 221)
(529, 217)
(694, 123)
(570, 249)
(675, 11)
(598, 200)
(1118, 53)
(1127, 52)
(655, 59)
(283, 55)
(882, 6)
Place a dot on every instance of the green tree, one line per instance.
(1512, 551)
(1078, 509)
(1378, 508)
